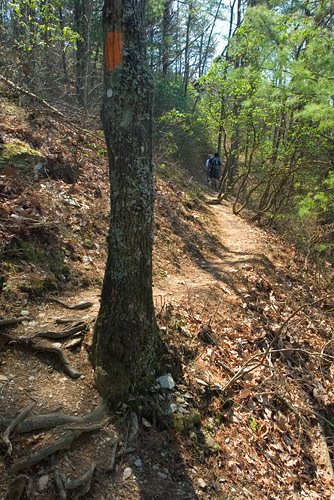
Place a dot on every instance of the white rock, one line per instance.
(172, 408)
(24, 312)
(201, 483)
(138, 462)
(146, 423)
(127, 473)
(3, 378)
(166, 381)
(43, 482)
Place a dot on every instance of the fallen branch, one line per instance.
(14, 423)
(60, 444)
(32, 95)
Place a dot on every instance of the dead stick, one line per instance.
(21, 416)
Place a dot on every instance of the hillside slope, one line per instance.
(249, 334)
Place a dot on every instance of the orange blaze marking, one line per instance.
(113, 49)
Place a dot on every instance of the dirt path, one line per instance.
(241, 246)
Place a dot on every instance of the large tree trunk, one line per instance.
(126, 334)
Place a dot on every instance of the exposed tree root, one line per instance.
(60, 444)
(77, 328)
(77, 307)
(13, 321)
(30, 344)
(21, 416)
(83, 482)
(17, 487)
(51, 420)
(60, 485)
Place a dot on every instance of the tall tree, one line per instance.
(126, 334)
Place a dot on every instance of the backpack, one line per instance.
(214, 166)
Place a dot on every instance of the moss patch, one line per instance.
(18, 154)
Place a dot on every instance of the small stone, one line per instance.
(162, 475)
(127, 473)
(146, 423)
(3, 378)
(31, 378)
(24, 312)
(43, 482)
(138, 462)
(201, 483)
(172, 408)
(166, 381)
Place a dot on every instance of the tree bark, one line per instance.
(126, 335)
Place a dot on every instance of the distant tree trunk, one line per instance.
(63, 52)
(126, 335)
(82, 18)
(166, 20)
(187, 50)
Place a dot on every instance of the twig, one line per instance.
(21, 416)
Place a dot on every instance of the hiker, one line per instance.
(214, 171)
(207, 168)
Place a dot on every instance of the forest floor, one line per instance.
(250, 332)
